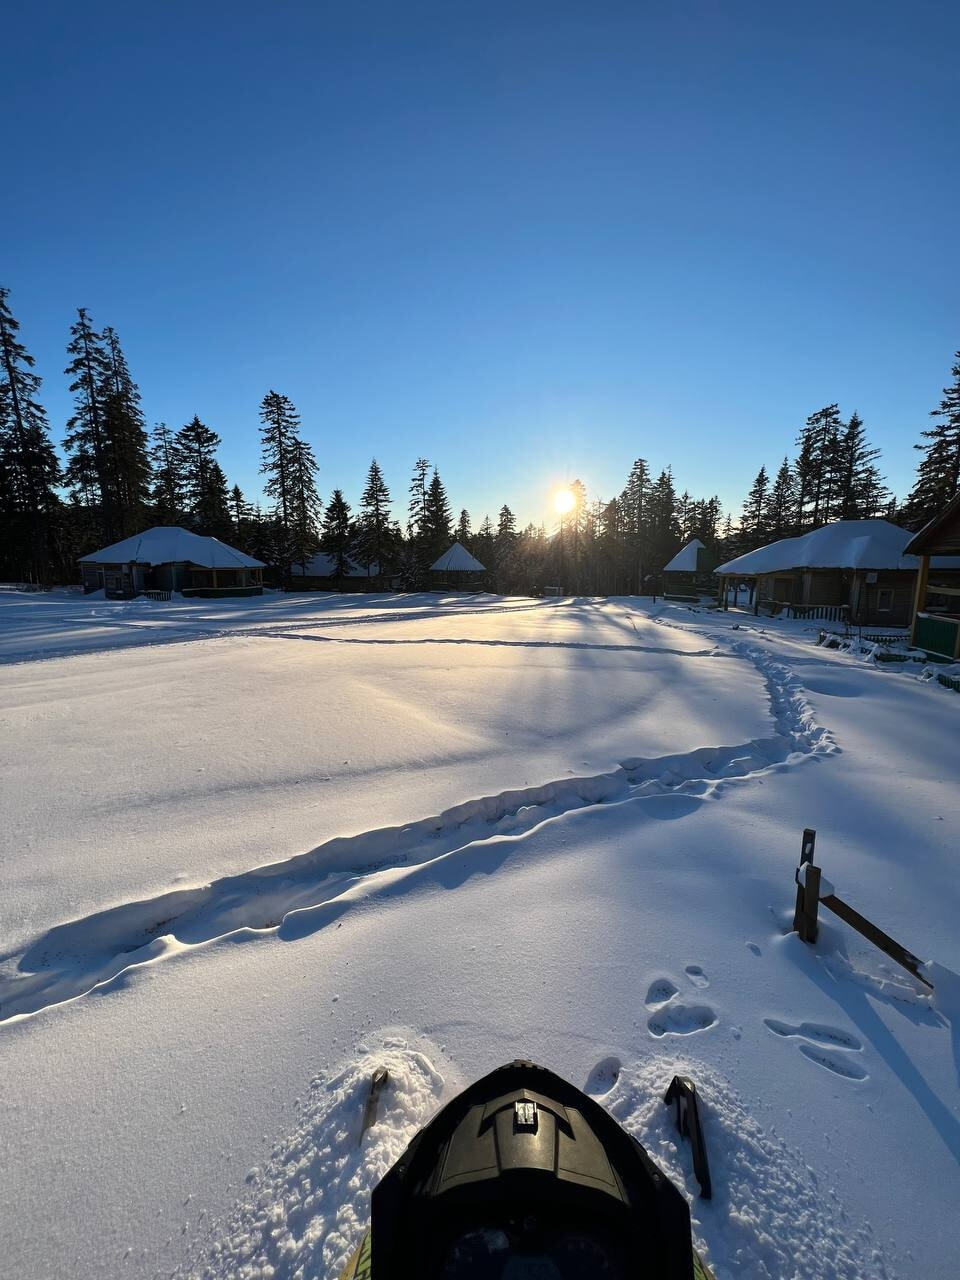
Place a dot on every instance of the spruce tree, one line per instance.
(635, 517)
(483, 544)
(240, 509)
(125, 439)
(165, 495)
(417, 507)
(435, 531)
(201, 483)
(818, 467)
(29, 470)
(375, 528)
(279, 433)
(463, 528)
(88, 472)
(753, 521)
(305, 503)
(938, 472)
(664, 529)
(862, 493)
(780, 505)
(337, 534)
(212, 512)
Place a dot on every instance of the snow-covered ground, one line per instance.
(253, 847)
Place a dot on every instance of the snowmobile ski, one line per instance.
(683, 1092)
(378, 1082)
(523, 1175)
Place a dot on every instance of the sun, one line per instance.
(563, 501)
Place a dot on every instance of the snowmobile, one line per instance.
(523, 1177)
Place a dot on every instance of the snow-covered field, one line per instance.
(253, 847)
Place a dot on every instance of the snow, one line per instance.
(685, 561)
(255, 848)
(846, 544)
(168, 544)
(457, 560)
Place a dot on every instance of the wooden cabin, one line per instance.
(935, 622)
(166, 559)
(852, 570)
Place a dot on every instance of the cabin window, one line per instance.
(885, 600)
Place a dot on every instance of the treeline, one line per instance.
(119, 478)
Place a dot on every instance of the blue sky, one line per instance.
(530, 241)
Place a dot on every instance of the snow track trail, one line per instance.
(299, 895)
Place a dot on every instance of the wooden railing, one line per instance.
(815, 612)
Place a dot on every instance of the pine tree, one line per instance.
(483, 543)
(165, 495)
(664, 529)
(375, 528)
(634, 512)
(862, 493)
(779, 511)
(87, 473)
(435, 531)
(417, 507)
(201, 483)
(818, 468)
(753, 522)
(684, 515)
(278, 433)
(29, 471)
(705, 521)
(463, 528)
(305, 503)
(125, 438)
(242, 520)
(240, 509)
(337, 534)
(938, 473)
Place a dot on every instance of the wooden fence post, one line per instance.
(808, 893)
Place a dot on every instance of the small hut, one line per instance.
(935, 624)
(458, 569)
(689, 573)
(167, 558)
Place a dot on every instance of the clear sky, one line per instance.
(530, 241)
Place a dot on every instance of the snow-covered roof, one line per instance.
(325, 566)
(846, 544)
(168, 544)
(685, 561)
(457, 560)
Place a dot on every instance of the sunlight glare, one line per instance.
(563, 501)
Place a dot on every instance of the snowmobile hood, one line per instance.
(524, 1175)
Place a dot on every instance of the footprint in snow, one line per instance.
(678, 1019)
(753, 948)
(696, 975)
(603, 1077)
(816, 1035)
(839, 1066)
(815, 1031)
(660, 991)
